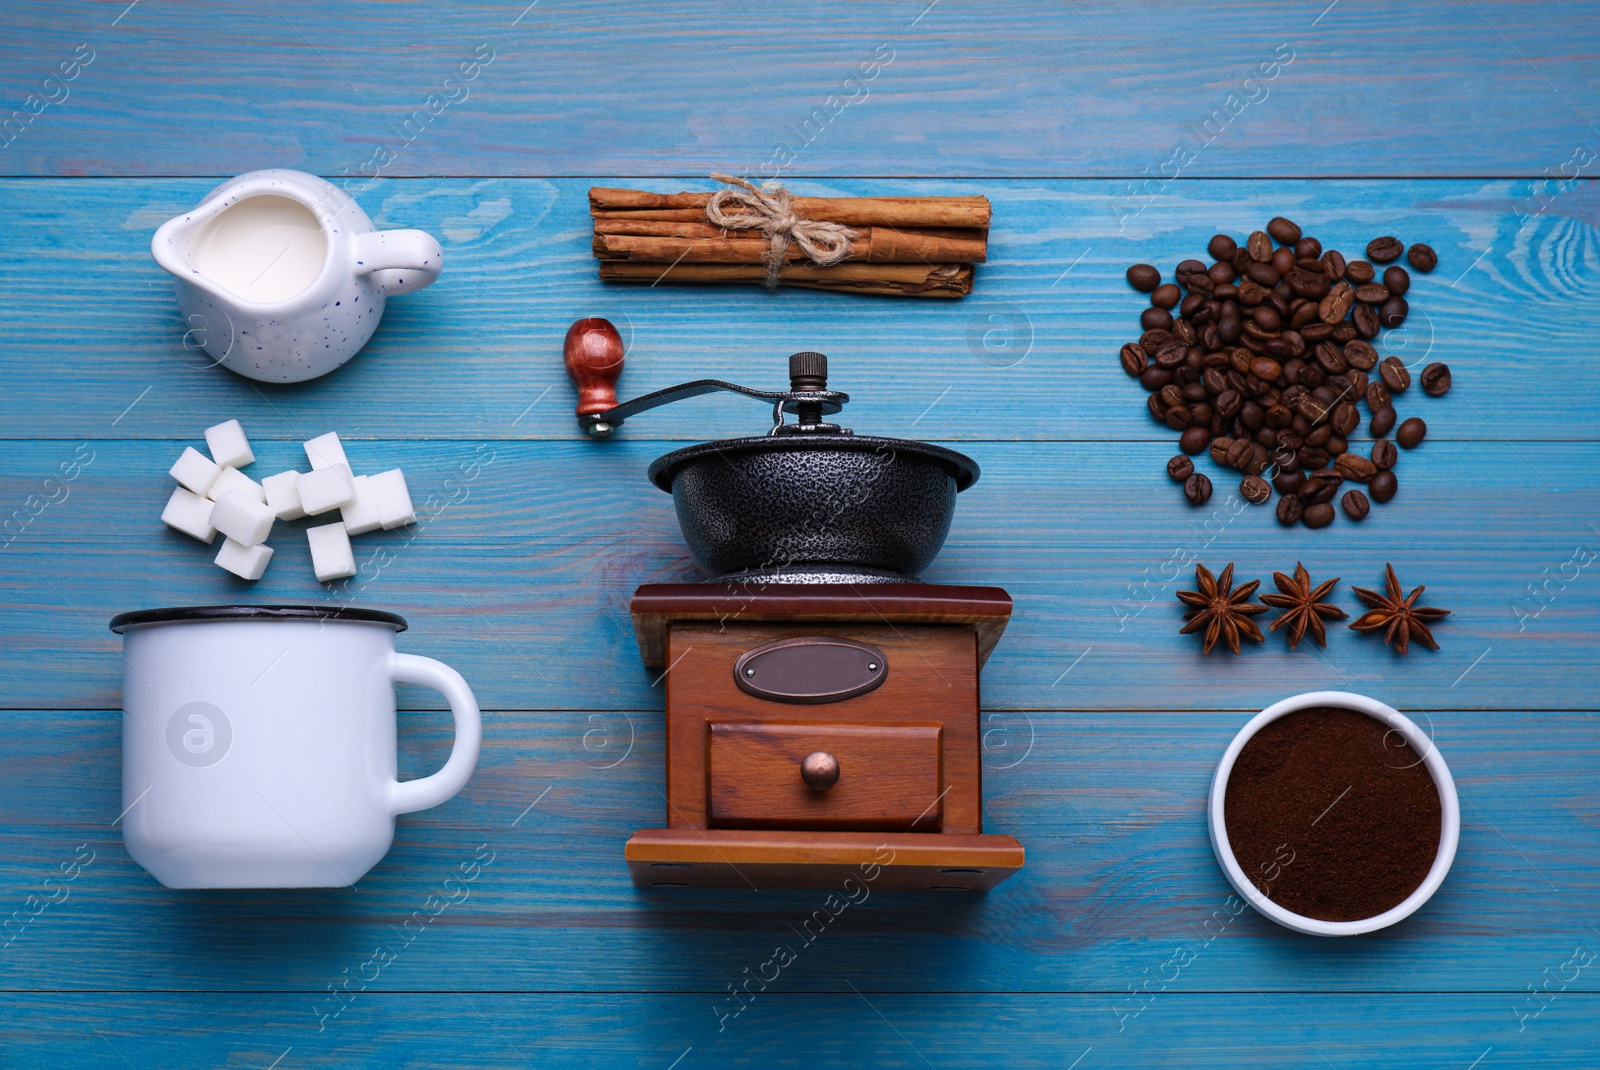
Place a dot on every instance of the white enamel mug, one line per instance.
(258, 743)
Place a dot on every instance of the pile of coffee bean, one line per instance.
(1262, 357)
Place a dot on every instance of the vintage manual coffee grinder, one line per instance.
(821, 703)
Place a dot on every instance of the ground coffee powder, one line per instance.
(1332, 814)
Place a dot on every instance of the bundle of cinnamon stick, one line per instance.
(902, 246)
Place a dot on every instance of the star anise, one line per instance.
(1402, 617)
(1223, 610)
(1303, 608)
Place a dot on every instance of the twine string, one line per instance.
(770, 210)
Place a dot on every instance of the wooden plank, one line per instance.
(521, 568)
(96, 348)
(1204, 1031)
(1110, 809)
(1028, 89)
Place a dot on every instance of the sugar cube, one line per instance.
(325, 451)
(195, 470)
(361, 515)
(228, 445)
(331, 555)
(242, 518)
(189, 513)
(246, 562)
(233, 479)
(283, 495)
(392, 499)
(326, 488)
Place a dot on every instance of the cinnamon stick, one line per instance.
(606, 202)
(916, 280)
(703, 243)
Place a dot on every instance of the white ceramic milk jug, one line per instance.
(258, 743)
(281, 276)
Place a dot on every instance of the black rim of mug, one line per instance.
(123, 621)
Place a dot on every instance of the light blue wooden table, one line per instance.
(1470, 125)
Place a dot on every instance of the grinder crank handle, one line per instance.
(593, 356)
(594, 359)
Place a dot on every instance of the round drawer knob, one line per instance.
(820, 770)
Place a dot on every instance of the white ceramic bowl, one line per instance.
(1449, 825)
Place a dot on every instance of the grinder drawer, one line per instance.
(888, 775)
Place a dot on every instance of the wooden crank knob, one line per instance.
(593, 355)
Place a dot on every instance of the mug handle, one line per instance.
(409, 259)
(406, 796)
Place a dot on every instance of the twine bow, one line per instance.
(750, 207)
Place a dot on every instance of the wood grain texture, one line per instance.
(464, 1028)
(753, 775)
(521, 567)
(1110, 808)
(1032, 89)
(942, 688)
(1031, 355)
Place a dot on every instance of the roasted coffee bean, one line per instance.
(1384, 455)
(1396, 279)
(1197, 438)
(1254, 490)
(1155, 319)
(1167, 295)
(1134, 359)
(1435, 379)
(1263, 274)
(1282, 261)
(1343, 333)
(1191, 304)
(1307, 284)
(1318, 515)
(1383, 486)
(1357, 380)
(1222, 247)
(1354, 467)
(1290, 509)
(1336, 445)
(1213, 380)
(1259, 245)
(1144, 277)
(1172, 394)
(1155, 378)
(1289, 481)
(1266, 369)
(1330, 357)
(1361, 355)
(1371, 292)
(1278, 417)
(1345, 419)
(1239, 453)
(1226, 292)
(1157, 407)
(1266, 317)
(1377, 393)
(1178, 418)
(1316, 331)
(1220, 445)
(1383, 419)
(1252, 415)
(1284, 230)
(1180, 468)
(1221, 272)
(1154, 340)
(1201, 283)
(1307, 248)
(1172, 355)
(1267, 437)
(1195, 391)
(1356, 506)
(1395, 375)
(1384, 250)
(1365, 317)
(1336, 305)
(1239, 260)
(1318, 488)
(1393, 312)
(1229, 403)
(1314, 457)
(1317, 437)
(1422, 257)
(1197, 488)
(1186, 267)
(1333, 265)
(1359, 272)
(1411, 432)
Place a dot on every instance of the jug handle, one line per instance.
(407, 259)
(406, 796)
